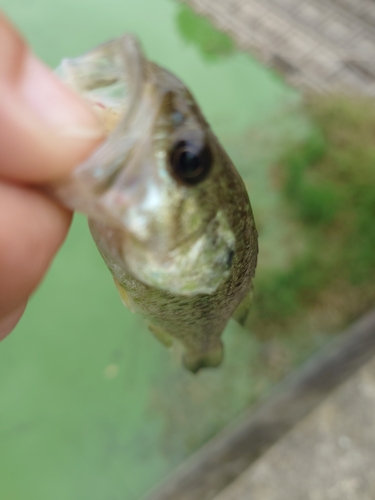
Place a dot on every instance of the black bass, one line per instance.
(167, 209)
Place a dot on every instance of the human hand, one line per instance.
(45, 131)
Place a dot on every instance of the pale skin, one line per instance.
(45, 131)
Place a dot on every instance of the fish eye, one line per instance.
(189, 163)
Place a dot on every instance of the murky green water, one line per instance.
(91, 406)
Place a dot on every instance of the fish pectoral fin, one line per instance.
(162, 336)
(242, 311)
(195, 360)
(126, 300)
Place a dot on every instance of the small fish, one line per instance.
(167, 209)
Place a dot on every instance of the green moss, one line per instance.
(318, 204)
(200, 32)
(299, 159)
(329, 185)
(284, 293)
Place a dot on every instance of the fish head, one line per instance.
(176, 235)
(157, 183)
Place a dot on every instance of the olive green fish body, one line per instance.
(167, 208)
(197, 321)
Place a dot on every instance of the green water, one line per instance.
(92, 407)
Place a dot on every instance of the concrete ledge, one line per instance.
(319, 45)
(228, 455)
(330, 455)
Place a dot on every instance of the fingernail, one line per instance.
(55, 104)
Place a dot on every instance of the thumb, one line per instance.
(45, 129)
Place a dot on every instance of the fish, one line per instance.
(166, 207)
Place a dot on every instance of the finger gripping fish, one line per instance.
(166, 207)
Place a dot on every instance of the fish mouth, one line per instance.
(116, 80)
(198, 266)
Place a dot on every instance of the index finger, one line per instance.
(45, 129)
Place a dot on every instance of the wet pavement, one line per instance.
(329, 455)
(316, 44)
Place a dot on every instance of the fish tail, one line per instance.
(195, 360)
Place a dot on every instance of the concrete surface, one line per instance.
(315, 44)
(330, 455)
